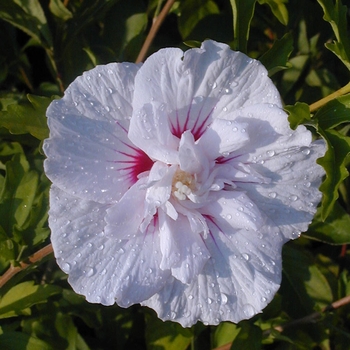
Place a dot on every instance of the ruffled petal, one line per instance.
(238, 281)
(223, 137)
(200, 85)
(103, 269)
(184, 251)
(291, 198)
(150, 131)
(88, 153)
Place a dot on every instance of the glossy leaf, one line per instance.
(298, 114)
(333, 230)
(249, 337)
(28, 16)
(278, 8)
(276, 58)
(20, 298)
(334, 162)
(336, 15)
(309, 284)
(243, 11)
(27, 118)
(334, 113)
(192, 12)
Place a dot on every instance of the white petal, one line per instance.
(184, 251)
(238, 281)
(150, 131)
(202, 84)
(88, 153)
(290, 200)
(124, 218)
(223, 137)
(103, 269)
(235, 208)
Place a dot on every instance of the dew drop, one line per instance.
(89, 271)
(223, 299)
(210, 301)
(245, 256)
(103, 272)
(66, 267)
(293, 198)
(190, 297)
(229, 217)
(214, 86)
(270, 153)
(234, 129)
(101, 247)
(225, 109)
(306, 151)
(272, 194)
(248, 310)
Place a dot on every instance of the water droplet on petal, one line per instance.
(306, 151)
(89, 271)
(66, 267)
(190, 297)
(270, 153)
(249, 310)
(293, 198)
(245, 256)
(272, 194)
(223, 299)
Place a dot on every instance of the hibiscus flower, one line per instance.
(176, 183)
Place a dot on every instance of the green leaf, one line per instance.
(298, 114)
(59, 10)
(18, 193)
(249, 337)
(334, 162)
(167, 335)
(28, 16)
(276, 58)
(333, 230)
(278, 8)
(193, 12)
(225, 333)
(27, 118)
(21, 341)
(308, 283)
(243, 11)
(21, 297)
(334, 113)
(336, 15)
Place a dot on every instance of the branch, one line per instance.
(13, 270)
(304, 320)
(342, 91)
(157, 22)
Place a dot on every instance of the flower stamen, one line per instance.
(183, 184)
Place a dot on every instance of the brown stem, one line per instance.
(13, 270)
(304, 320)
(65, 3)
(157, 22)
(342, 91)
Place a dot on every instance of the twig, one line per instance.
(342, 91)
(13, 270)
(304, 320)
(157, 22)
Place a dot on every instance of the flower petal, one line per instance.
(105, 270)
(88, 152)
(291, 198)
(150, 131)
(232, 285)
(184, 251)
(200, 85)
(226, 135)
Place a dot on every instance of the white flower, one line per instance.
(176, 183)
